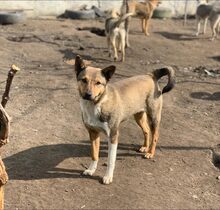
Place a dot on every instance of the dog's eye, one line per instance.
(98, 83)
(84, 81)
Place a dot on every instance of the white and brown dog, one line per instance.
(104, 106)
(209, 11)
(116, 33)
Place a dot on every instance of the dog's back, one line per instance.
(115, 21)
(204, 10)
(110, 24)
(143, 9)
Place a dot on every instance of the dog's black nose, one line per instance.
(88, 96)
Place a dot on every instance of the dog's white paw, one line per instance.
(149, 155)
(107, 179)
(92, 168)
(143, 149)
(88, 172)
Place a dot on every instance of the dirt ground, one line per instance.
(49, 146)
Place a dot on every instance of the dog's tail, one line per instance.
(122, 19)
(124, 7)
(169, 71)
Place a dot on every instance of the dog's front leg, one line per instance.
(143, 25)
(147, 20)
(95, 144)
(198, 20)
(112, 152)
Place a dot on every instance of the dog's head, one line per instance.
(113, 13)
(158, 3)
(92, 81)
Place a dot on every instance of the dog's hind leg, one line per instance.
(143, 24)
(119, 46)
(127, 23)
(113, 41)
(154, 114)
(109, 46)
(95, 143)
(142, 121)
(205, 24)
(198, 22)
(213, 27)
(122, 44)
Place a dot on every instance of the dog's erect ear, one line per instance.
(79, 65)
(108, 72)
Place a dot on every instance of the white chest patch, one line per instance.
(91, 114)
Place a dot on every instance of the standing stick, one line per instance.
(185, 16)
(11, 74)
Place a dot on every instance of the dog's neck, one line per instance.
(102, 98)
(154, 3)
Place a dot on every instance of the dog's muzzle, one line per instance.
(87, 96)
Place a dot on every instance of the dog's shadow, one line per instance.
(178, 36)
(206, 96)
(43, 162)
(68, 54)
(217, 58)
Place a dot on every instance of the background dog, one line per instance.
(142, 10)
(104, 106)
(202, 13)
(214, 18)
(115, 32)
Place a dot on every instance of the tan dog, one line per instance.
(116, 33)
(104, 106)
(142, 10)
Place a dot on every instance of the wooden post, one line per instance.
(11, 74)
(185, 15)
